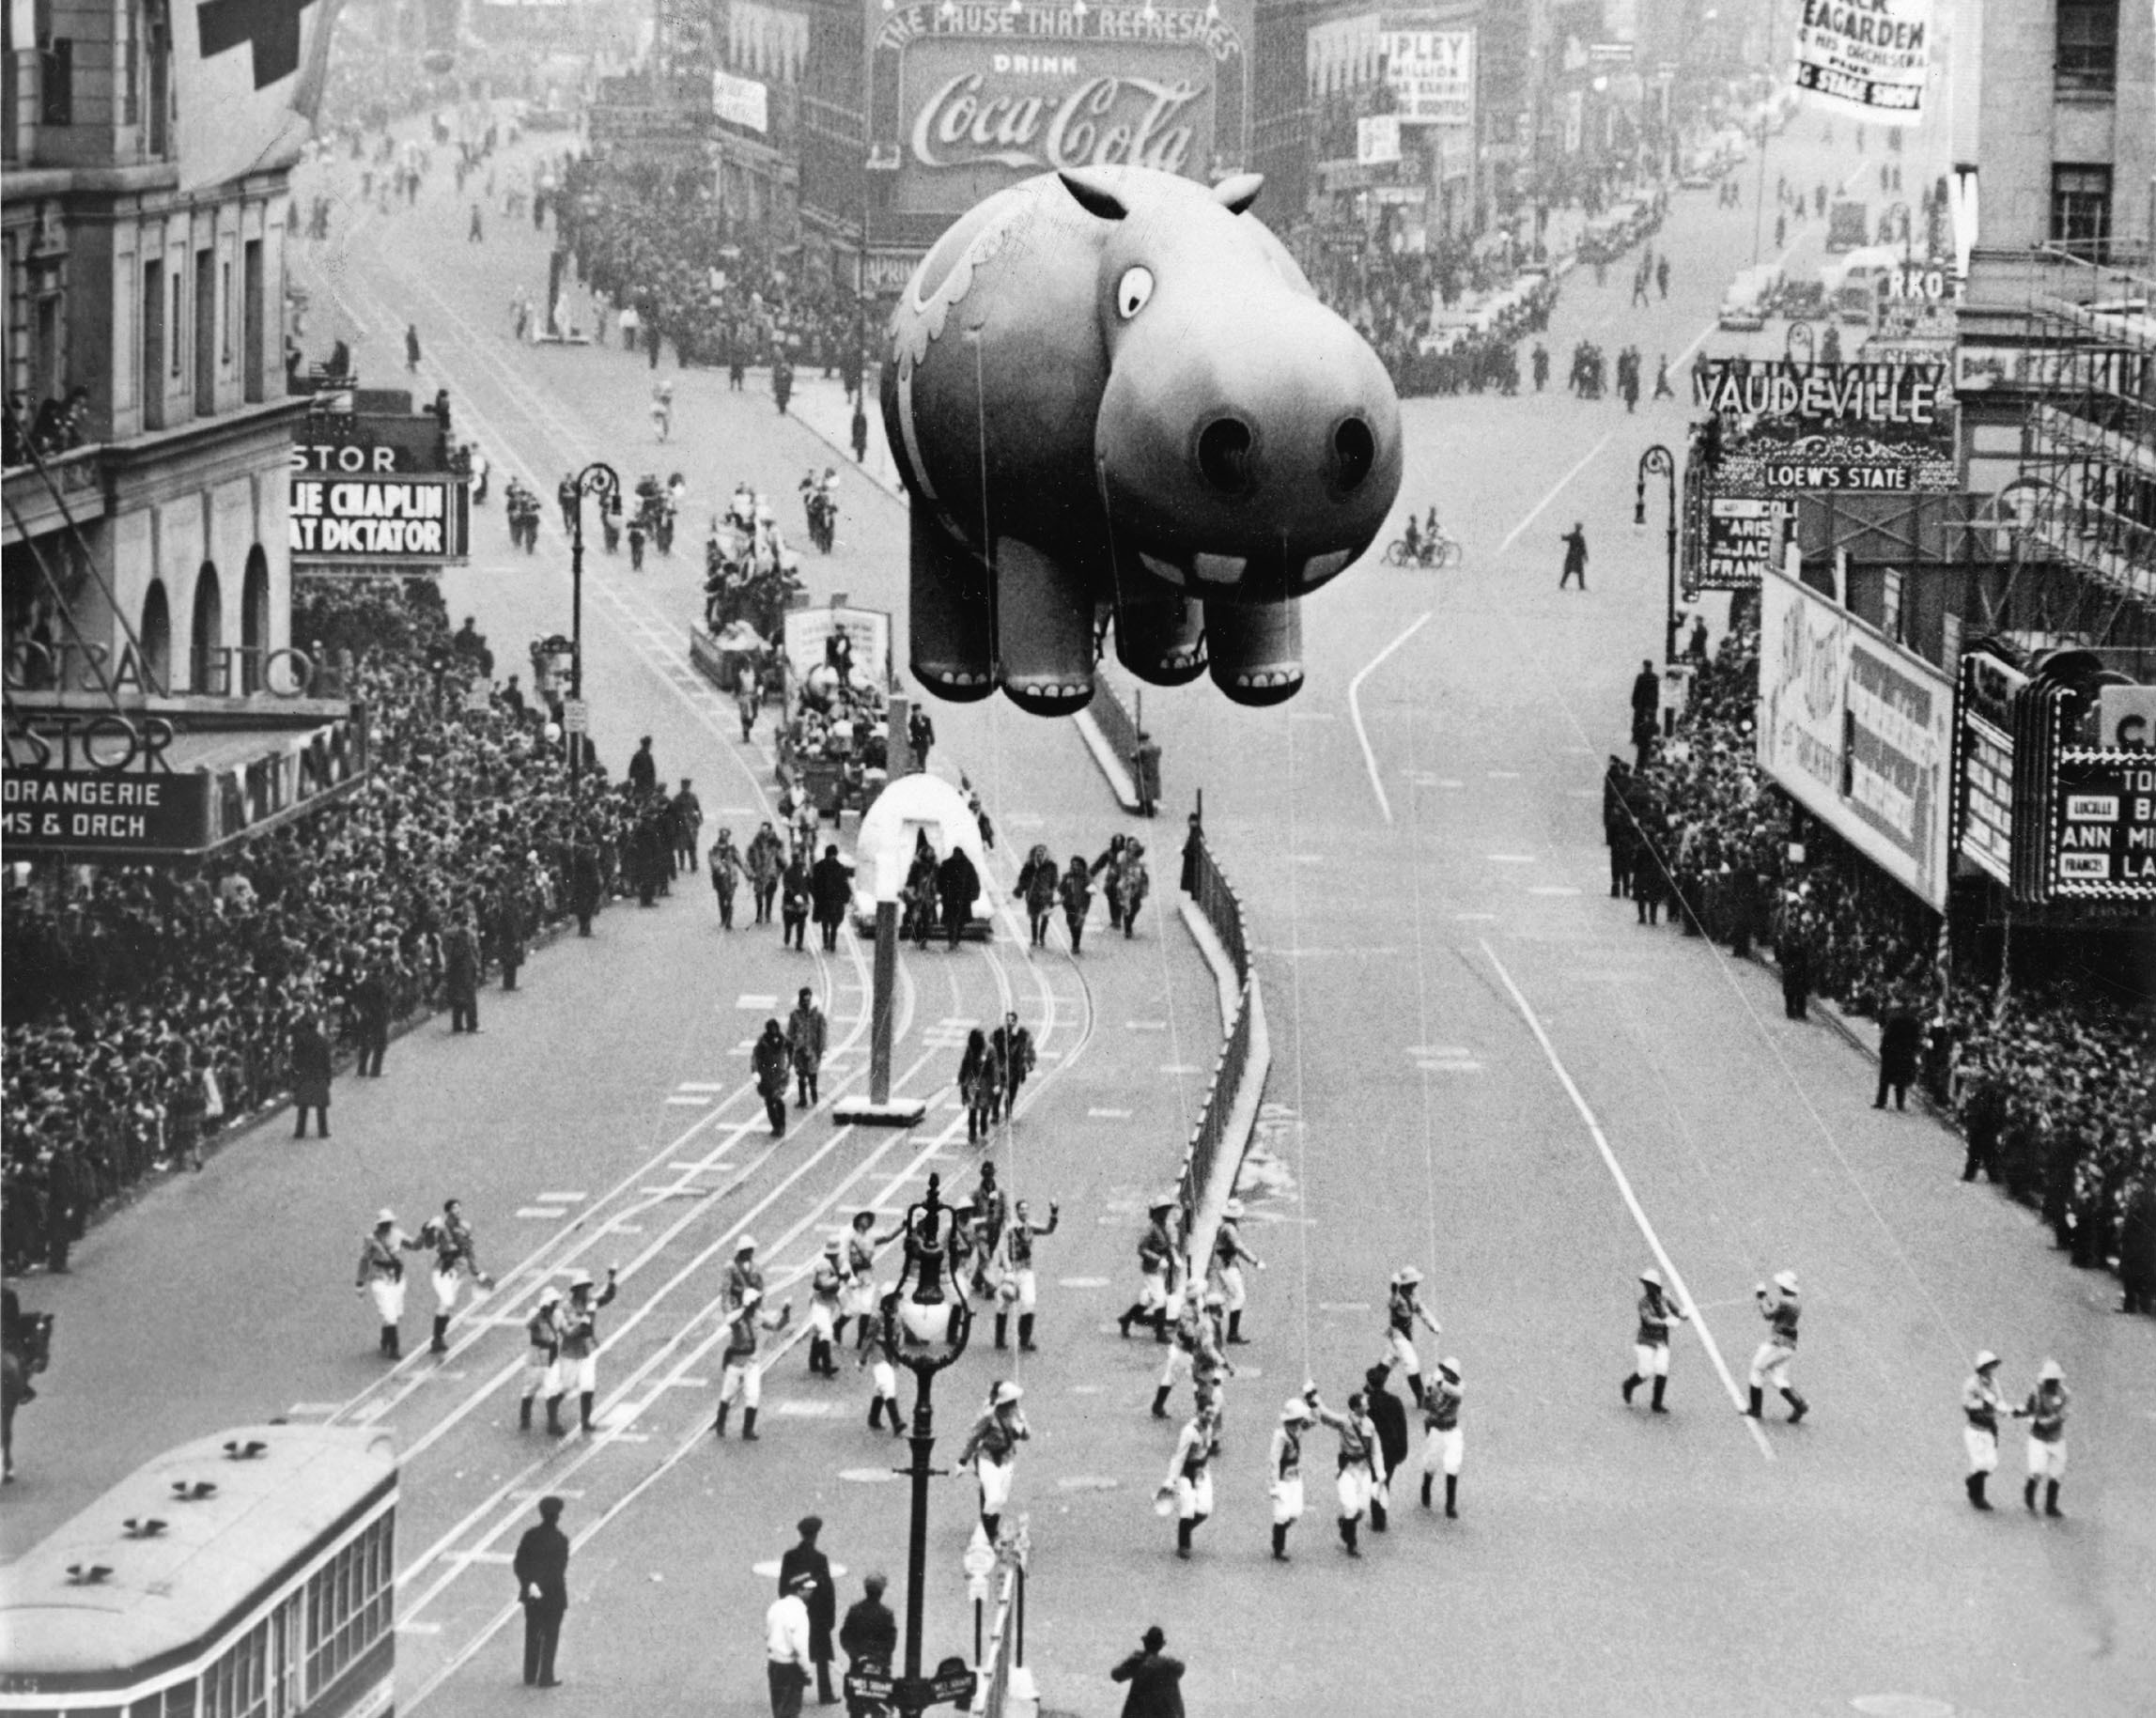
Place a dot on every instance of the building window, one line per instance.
(2087, 56)
(2081, 208)
(130, 80)
(56, 82)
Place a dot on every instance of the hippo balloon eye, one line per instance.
(1132, 290)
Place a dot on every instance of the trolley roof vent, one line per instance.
(248, 1451)
(88, 1575)
(142, 1526)
(193, 1491)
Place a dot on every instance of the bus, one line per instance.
(1855, 284)
(247, 1574)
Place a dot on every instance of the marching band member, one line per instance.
(543, 1363)
(455, 1251)
(991, 1448)
(1781, 1309)
(743, 1378)
(382, 1275)
(1651, 1346)
(580, 1345)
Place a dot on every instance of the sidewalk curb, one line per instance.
(1117, 775)
(1243, 1110)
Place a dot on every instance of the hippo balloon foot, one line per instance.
(1271, 687)
(1049, 698)
(953, 685)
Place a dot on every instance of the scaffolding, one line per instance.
(2085, 498)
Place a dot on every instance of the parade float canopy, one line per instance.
(884, 849)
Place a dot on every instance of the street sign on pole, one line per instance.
(576, 716)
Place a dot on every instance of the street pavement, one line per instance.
(1483, 1066)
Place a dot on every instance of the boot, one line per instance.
(524, 1415)
(991, 1524)
(394, 1337)
(1347, 1538)
(1002, 1329)
(817, 1357)
(384, 1344)
(1414, 1383)
(440, 1343)
(838, 1329)
(1976, 1487)
(749, 1426)
(1280, 1542)
(1124, 1323)
(1758, 1396)
(2028, 1497)
(1025, 1332)
(1160, 1401)
(1660, 1385)
(2051, 1499)
(891, 1407)
(876, 1414)
(1452, 1496)
(1798, 1407)
(1426, 1490)
(585, 1409)
(719, 1419)
(1631, 1384)
(1160, 1326)
(1183, 1538)
(554, 1426)
(1235, 1328)
(1377, 1516)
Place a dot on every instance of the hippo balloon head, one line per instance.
(1248, 443)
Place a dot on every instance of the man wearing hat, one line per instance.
(1358, 1463)
(382, 1275)
(579, 1346)
(1980, 1407)
(744, 1273)
(1401, 1308)
(991, 1449)
(1651, 1344)
(821, 1599)
(1189, 1483)
(1156, 1260)
(542, 1570)
(883, 1375)
(1229, 1257)
(455, 1251)
(1155, 1679)
(806, 1033)
(685, 822)
(870, 1632)
(824, 1288)
(1284, 1472)
(786, 1644)
(2046, 1411)
(1390, 1419)
(1441, 1442)
(542, 1362)
(1016, 1283)
(1779, 1307)
(741, 1378)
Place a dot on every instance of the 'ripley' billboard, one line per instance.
(965, 99)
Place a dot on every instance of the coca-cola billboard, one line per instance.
(967, 99)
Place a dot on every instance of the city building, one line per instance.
(148, 573)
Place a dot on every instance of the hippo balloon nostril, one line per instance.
(1354, 455)
(1224, 448)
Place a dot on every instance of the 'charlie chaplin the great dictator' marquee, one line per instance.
(967, 99)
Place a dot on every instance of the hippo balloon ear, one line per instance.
(1238, 194)
(1094, 194)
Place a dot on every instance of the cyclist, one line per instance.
(1414, 539)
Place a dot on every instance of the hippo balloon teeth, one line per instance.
(1139, 409)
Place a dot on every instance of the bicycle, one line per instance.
(1431, 551)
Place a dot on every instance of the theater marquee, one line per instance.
(967, 99)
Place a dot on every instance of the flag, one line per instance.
(248, 77)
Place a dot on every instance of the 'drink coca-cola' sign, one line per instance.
(967, 99)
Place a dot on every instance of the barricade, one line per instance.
(1005, 1686)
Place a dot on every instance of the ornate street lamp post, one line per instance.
(596, 479)
(1659, 461)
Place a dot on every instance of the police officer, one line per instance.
(455, 1251)
(382, 1275)
(579, 1346)
(1651, 1344)
(1781, 1309)
(542, 1362)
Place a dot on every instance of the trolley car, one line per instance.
(248, 1574)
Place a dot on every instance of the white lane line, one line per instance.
(552, 1214)
(1553, 888)
(758, 1001)
(1354, 708)
(1555, 490)
(1698, 1319)
(560, 1198)
(693, 1099)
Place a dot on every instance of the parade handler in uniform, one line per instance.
(579, 1346)
(382, 1275)
(455, 1251)
(743, 1378)
(1779, 1307)
(991, 1449)
(543, 1363)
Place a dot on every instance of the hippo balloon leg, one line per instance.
(1159, 629)
(1255, 649)
(953, 653)
(1043, 630)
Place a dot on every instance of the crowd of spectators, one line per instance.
(2053, 1083)
(145, 1007)
(650, 236)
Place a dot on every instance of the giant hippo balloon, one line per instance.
(1113, 394)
